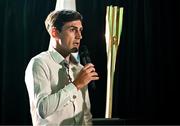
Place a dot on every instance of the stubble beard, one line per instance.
(74, 50)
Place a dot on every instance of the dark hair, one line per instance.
(58, 18)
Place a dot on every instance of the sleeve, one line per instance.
(87, 112)
(37, 78)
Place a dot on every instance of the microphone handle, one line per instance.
(92, 83)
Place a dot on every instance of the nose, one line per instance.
(78, 34)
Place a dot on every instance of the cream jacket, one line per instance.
(53, 99)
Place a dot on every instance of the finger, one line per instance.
(90, 69)
(95, 78)
(93, 74)
(88, 65)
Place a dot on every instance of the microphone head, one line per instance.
(84, 55)
(84, 51)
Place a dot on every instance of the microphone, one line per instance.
(85, 59)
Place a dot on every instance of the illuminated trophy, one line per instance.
(114, 18)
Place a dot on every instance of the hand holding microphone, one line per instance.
(88, 74)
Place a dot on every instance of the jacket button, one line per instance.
(74, 96)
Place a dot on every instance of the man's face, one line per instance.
(70, 35)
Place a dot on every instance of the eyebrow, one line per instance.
(72, 26)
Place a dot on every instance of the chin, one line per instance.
(74, 50)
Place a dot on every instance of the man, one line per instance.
(56, 82)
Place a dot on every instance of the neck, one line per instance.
(63, 52)
(60, 49)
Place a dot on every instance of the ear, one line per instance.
(54, 33)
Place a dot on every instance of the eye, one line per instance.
(72, 29)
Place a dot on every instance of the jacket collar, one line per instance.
(57, 57)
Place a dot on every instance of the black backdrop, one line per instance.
(146, 78)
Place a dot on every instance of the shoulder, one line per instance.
(39, 59)
(42, 56)
(38, 65)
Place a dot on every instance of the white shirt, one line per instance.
(54, 100)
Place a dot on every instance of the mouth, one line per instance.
(76, 44)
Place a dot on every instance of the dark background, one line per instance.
(146, 83)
